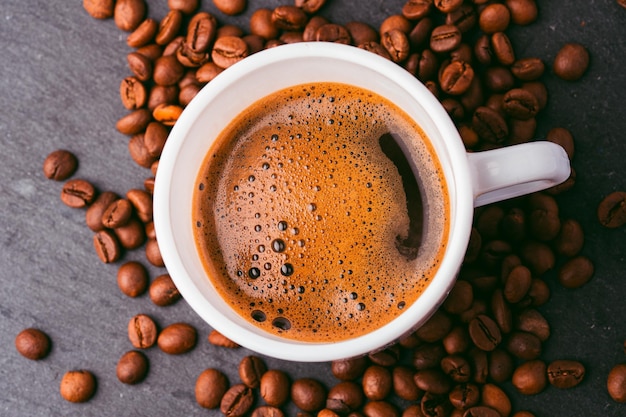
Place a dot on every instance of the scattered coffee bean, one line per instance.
(99, 9)
(32, 344)
(163, 291)
(377, 382)
(485, 333)
(78, 193)
(237, 401)
(117, 214)
(251, 369)
(142, 331)
(132, 367)
(612, 210)
(565, 373)
(576, 272)
(128, 14)
(93, 214)
(571, 62)
(107, 246)
(349, 369)
(211, 385)
(274, 387)
(530, 377)
(218, 339)
(132, 279)
(177, 338)
(616, 383)
(308, 394)
(78, 386)
(60, 165)
(269, 411)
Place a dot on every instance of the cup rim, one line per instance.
(288, 349)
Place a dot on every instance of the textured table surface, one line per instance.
(61, 71)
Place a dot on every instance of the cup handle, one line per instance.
(516, 170)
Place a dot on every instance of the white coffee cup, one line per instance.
(473, 179)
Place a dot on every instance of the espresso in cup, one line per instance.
(321, 212)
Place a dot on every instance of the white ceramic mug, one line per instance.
(473, 179)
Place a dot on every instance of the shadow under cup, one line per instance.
(221, 101)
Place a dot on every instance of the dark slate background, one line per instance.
(61, 71)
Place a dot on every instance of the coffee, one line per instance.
(309, 219)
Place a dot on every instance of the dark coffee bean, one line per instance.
(539, 91)
(395, 22)
(32, 344)
(457, 368)
(447, 6)
(117, 214)
(162, 94)
(77, 193)
(143, 34)
(228, 50)
(522, 131)
(492, 396)
(397, 45)
(163, 291)
(530, 377)
(485, 333)
(480, 364)
(502, 48)
(107, 246)
(267, 411)
(481, 411)
(211, 385)
(483, 51)
(494, 18)
(99, 9)
(139, 152)
(289, 18)
(134, 122)
(488, 222)
(359, 32)
(531, 321)
(622, 3)
(377, 382)
(310, 6)
(93, 214)
(478, 306)
(433, 381)
(140, 65)
(128, 14)
(308, 394)
(331, 32)
(201, 31)
(528, 69)
(457, 341)
(230, 7)
(616, 383)
(349, 369)
(132, 279)
(151, 51)
(612, 210)
(133, 93)
(490, 125)
(142, 202)
(274, 387)
(464, 396)
(501, 366)
(523, 345)
(416, 9)
(419, 36)
(380, 409)
(501, 311)
(456, 78)
(517, 284)
(345, 397)
(261, 24)
(538, 257)
(576, 272)
(520, 104)
(565, 374)
(375, 48)
(445, 38)
(132, 367)
(435, 328)
(385, 357)
(570, 239)
(404, 384)
(571, 62)
(494, 251)
(177, 338)
(460, 297)
(60, 165)
(562, 137)
(427, 356)
(475, 242)
(169, 27)
(435, 405)
(217, 339)
(427, 66)
(78, 386)
(132, 235)
(142, 331)
(237, 401)
(499, 79)
(523, 12)
(251, 369)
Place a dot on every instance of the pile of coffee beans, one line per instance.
(489, 331)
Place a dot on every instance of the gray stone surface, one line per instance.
(59, 89)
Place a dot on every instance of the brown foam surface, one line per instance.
(298, 212)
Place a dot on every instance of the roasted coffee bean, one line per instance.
(169, 27)
(237, 401)
(539, 91)
(93, 214)
(493, 252)
(310, 6)
(117, 214)
(360, 32)
(132, 279)
(470, 139)
(397, 45)
(616, 383)
(163, 291)
(78, 386)
(562, 137)
(523, 345)
(483, 51)
(480, 364)
(395, 22)
(464, 17)
(32, 344)
(622, 3)
(571, 62)
(377, 382)
(128, 14)
(528, 69)
(331, 32)
(375, 48)
(523, 12)
(457, 341)
(167, 114)
(576, 272)
(151, 51)
(261, 24)
(435, 328)
(289, 18)
(447, 6)
(268, 411)
(502, 48)
(501, 311)
(251, 369)
(416, 9)
(99, 9)
(464, 396)
(185, 6)
(132, 235)
(274, 387)
(489, 125)
(460, 297)
(380, 409)
(133, 93)
(433, 381)
(201, 31)
(140, 65)
(485, 333)
(494, 18)
(308, 394)
(531, 321)
(230, 7)
(107, 246)
(520, 104)
(403, 384)
(481, 411)
(457, 368)
(59, 165)
(522, 131)
(494, 397)
(419, 36)
(177, 338)
(139, 152)
(134, 122)
(565, 374)
(488, 222)
(132, 367)
(211, 385)
(217, 339)
(77, 193)
(427, 66)
(345, 397)
(142, 331)
(456, 78)
(501, 365)
(435, 405)
(570, 239)
(499, 79)
(445, 38)
(385, 357)
(427, 356)
(349, 369)
(530, 377)
(142, 202)
(167, 70)
(612, 210)
(162, 94)
(517, 284)
(143, 34)
(228, 50)
(538, 257)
